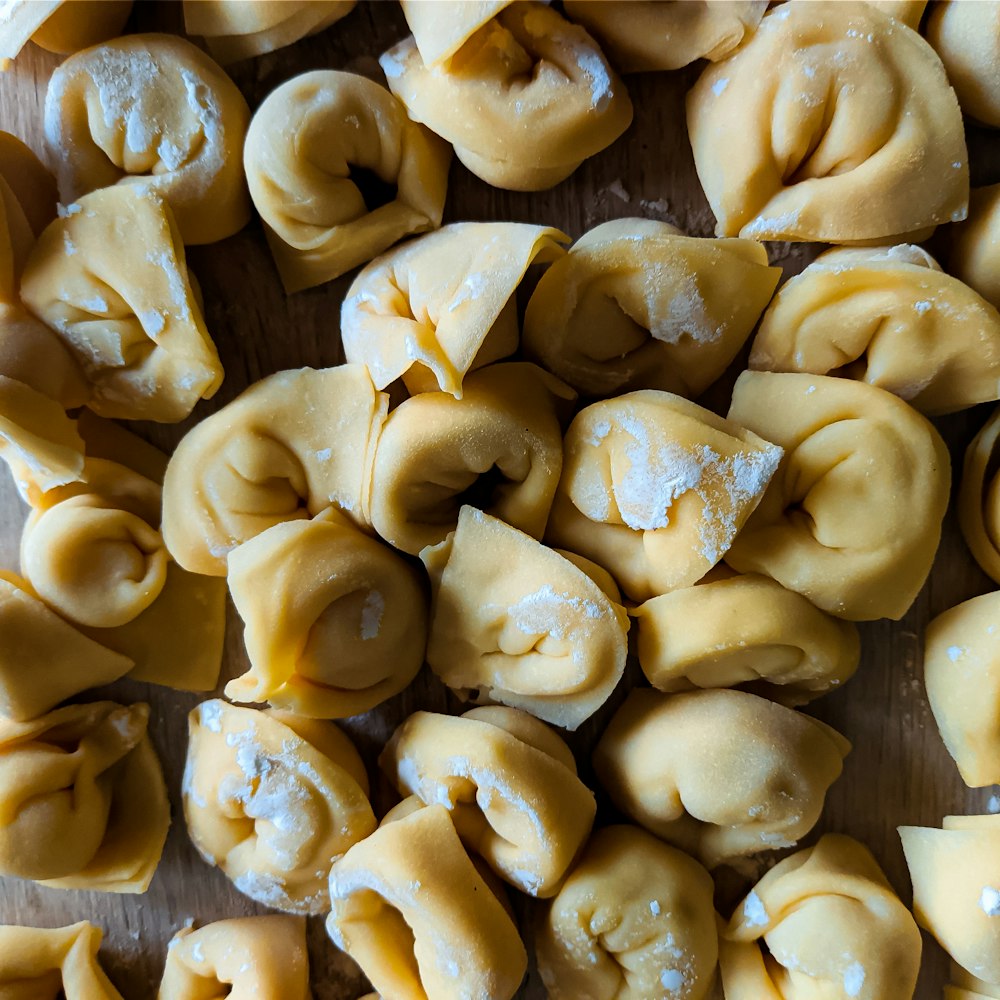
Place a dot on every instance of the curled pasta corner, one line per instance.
(979, 498)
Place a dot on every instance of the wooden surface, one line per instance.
(898, 772)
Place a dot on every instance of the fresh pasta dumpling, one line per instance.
(272, 799)
(852, 518)
(974, 245)
(822, 923)
(637, 304)
(498, 448)
(410, 907)
(633, 920)
(434, 309)
(335, 621)
(61, 26)
(834, 123)
(441, 29)
(82, 799)
(888, 317)
(155, 113)
(288, 447)
(965, 986)
(338, 173)
(908, 12)
(967, 38)
(655, 488)
(721, 774)
(515, 622)
(524, 100)
(979, 498)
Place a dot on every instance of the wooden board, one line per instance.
(898, 772)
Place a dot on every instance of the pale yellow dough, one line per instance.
(967, 38)
(852, 518)
(442, 27)
(82, 799)
(410, 907)
(61, 26)
(431, 311)
(908, 12)
(888, 317)
(834, 123)
(302, 144)
(335, 621)
(634, 920)
(966, 987)
(823, 923)
(974, 246)
(720, 774)
(272, 799)
(524, 101)
(655, 488)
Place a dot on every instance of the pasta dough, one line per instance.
(822, 923)
(524, 101)
(82, 799)
(832, 124)
(154, 113)
(441, 29)
(61, 26)
(636, 304)
(286, 448)
(433, 309)
(520, 624)
(888, 317)
(308, 147)
(336, 622)
(498, 448)
(974, 250)
(272, 799)
(412, 910)
(634, 920)
(967, 987)
(720, 774)
(979, 498)
(510, 784)
(851, 450)
(967, 38)
(655, 489)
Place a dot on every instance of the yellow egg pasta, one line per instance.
(967, 38)
(61, 26)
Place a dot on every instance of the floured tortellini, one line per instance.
(636, 304)
(974, 245)
(410, 907)
(247, 957)
(822, 923)
(338, 173)
(499, 448)
(288, 447)
(852, 518)
(655, 488)
(979, 497)
(82, 799)
(432, 310)
(967, 38)
(336, 622)
(61, 26)
(272, 799)
(524, 100)
(155, 113)
(721, 774)
(510, 784)
(634, 920)
(521, 624)
(834, 123)
(733, 630)
(888, 317)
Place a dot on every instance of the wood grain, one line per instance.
(898, 772)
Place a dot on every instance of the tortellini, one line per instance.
(974, 245)
(498, 448)
(731, 630)
(967, 38)
(636, 304)
(272, 799)
(155, 113)
(308, 149)
(888, 317)
(441, 29)
(634, 920)
(82, 799)
(59, 25)
(518, 623)
(721, 774)
(336, 622)
(408, 905)
(434, 309)
(852, 518)
(979, 498)
(835, 124)
(655, 488)
(822, 923)
(524, 101)
(510, 784)
(288, 447)
(262, 957)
